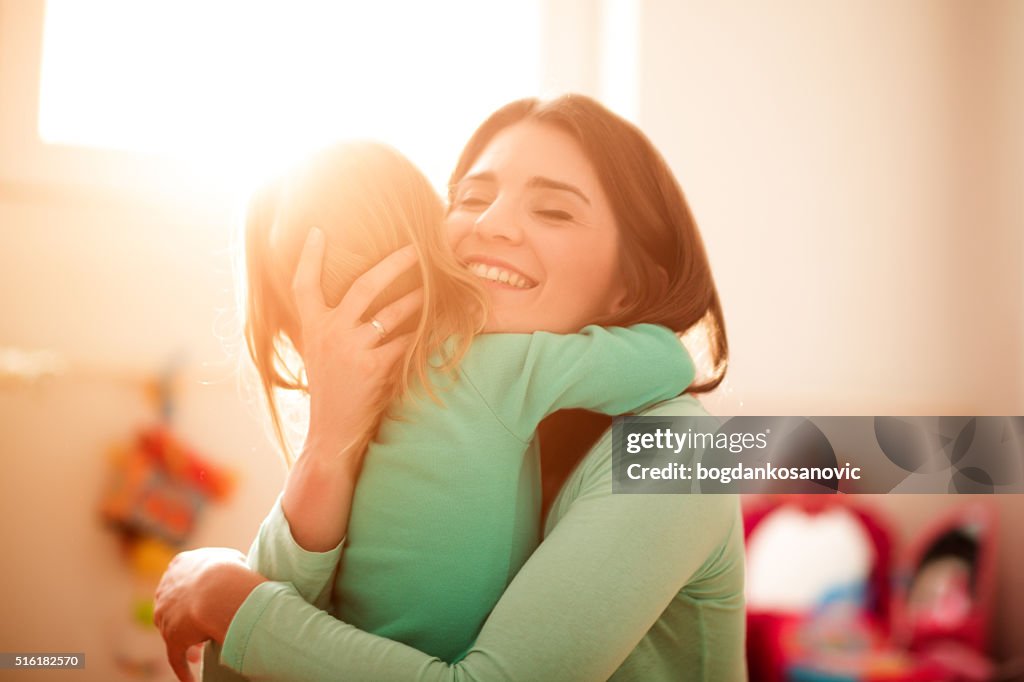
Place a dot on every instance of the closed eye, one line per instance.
(473, 202)
(554, 214)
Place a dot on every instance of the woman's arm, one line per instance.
(348, 369)
(276, 555)
(608, 569)
(300, 540)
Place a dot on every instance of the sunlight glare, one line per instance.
(237, 89)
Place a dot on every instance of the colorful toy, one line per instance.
(931, 628)
(157, 489)
(159, 486)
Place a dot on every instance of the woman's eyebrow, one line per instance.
(484, 176)
(548, 183)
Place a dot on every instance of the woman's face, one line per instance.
(530, 219)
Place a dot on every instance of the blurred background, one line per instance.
(855, 168)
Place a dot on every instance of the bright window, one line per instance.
(239, 88)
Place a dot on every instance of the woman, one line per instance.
(624, 586)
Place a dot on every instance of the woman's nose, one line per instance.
(500, 221)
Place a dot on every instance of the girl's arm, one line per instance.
(612, 370)
(576, 610)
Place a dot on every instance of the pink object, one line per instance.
(947, 583)
(932, 627)
(768, 654)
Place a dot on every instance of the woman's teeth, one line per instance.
(496, 274)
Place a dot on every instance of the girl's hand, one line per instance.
(349, 363)
(196, 599)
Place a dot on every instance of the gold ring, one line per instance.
(381, 331)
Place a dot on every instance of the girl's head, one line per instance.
(576, 209)
(368, 200)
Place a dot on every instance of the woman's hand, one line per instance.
(349, 363)
(350, 366)
(196, 599)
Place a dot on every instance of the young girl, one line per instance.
(447, 506)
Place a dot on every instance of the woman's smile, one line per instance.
(531, 220)
(499, 273)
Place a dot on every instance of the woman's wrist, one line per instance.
(329, 440)
(223, 589)
(317, 496)
(331, 450)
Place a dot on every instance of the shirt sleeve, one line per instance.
(609, 568)
(612, 370)
(276, 556)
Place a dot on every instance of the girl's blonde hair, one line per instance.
(368, 200)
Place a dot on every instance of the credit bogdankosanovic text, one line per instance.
(669, 440)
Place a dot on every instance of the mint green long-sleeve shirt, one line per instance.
(277, 634)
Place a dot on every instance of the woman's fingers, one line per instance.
(178, 602)
(179, 663)
(309, 297)
(369, 285)
(389, 353)
(195, 653)
(390, 317)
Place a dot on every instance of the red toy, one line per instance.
(159, 486)
(932, 627)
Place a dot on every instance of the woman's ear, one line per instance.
(618, 299)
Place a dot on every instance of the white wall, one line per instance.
(855, 168)
(117, 288)
(846, 162)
